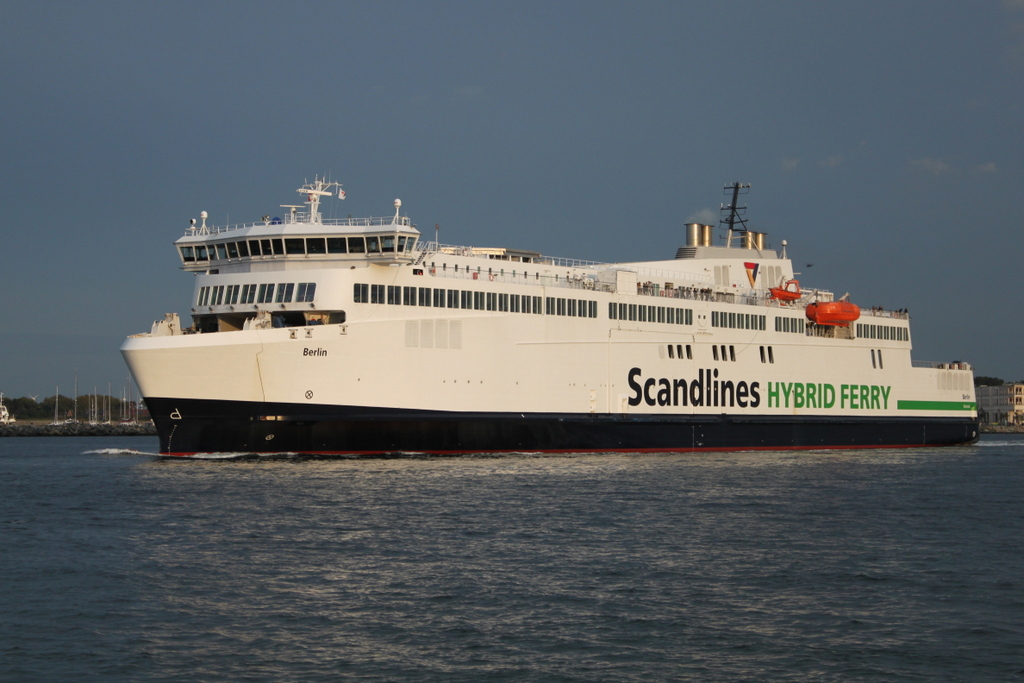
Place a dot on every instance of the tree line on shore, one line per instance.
(983, 381)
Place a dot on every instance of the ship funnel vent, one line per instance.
(753, 240)
(698, 235)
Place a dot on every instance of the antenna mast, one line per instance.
(736, 212)
(320, 187)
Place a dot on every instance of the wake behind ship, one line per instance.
(353, 336)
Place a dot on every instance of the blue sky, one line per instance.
(883, 141)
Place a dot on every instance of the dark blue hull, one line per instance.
(188, 426)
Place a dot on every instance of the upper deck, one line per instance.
(302, 233)
(303, 240)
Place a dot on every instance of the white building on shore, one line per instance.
(1002, 405)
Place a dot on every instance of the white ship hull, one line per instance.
(703, 366)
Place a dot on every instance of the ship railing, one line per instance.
(674, 276)
(503, 255)
(517, 277)
(935, 365)
(671, 284)
(583, 282)
(303, 217)
(879, 312)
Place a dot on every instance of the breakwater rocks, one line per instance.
(79, 429)
(1002, 429)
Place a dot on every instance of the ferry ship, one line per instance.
(354, 336)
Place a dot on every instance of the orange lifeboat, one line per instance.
(787, 292)
(840, 313)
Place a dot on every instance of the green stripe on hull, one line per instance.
(935, 405)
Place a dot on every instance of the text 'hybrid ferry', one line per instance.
(352, 336)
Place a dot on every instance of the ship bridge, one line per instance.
(302, 235)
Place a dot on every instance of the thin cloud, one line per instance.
(832, 162)
(704, 217)
(984, 169)
(789, 163)
(933, 166)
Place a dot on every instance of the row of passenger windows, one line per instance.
(454, 298)
(652, 314)
(888, 332)
(676, 351)
(575, 308)
(726, 353)
(742, 321)
(731, 356)
(797, 325)
(280, 246)
(280, 293)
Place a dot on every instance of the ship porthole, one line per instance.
(269, 437)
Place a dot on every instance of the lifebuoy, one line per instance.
(491, 276)
(476, 276)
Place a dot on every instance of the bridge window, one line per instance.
(295, 245)
(316, 245)
(266, 293)
(188, 254)
(373, 245)
(356, 245)
(284, 292)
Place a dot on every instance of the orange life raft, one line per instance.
(840, 313)
(787, 292)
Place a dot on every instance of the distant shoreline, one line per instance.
(78, 429)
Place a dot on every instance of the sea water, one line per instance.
(885, 565)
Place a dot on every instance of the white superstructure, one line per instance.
(337, 323)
